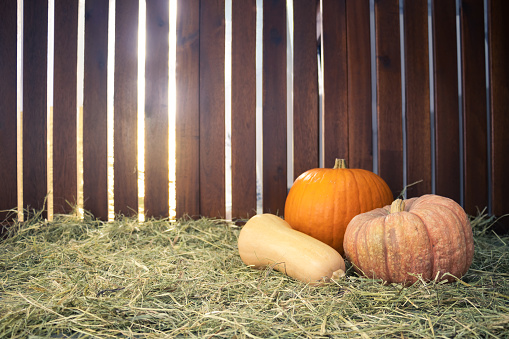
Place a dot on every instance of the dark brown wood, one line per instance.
(388, 67)
(8, 108)
(243, 130)
(274, 106)
(447, 155)
(335, 78)
(126, 108)
(474, 106)
(95, 176)
(212, 109)
(35, 63)
(188, 108)
(499, 74)
(156, 110)
(418, 124)
(64, 106)
(305, 88)
(360, 145)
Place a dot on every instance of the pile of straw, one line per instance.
(86, 278)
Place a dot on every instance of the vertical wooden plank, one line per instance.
(35, 62)
(388, 67)
(447, 155)
(499, 75)
(64, 106)
(188, 108)
(335, 82)
(126, 108)
(243, 132)
(418, 136)
(274, 106)
(95, 176)
(156, 110)
(305, 88)
(212, 108)
(474, 106)
(8, 108)
(360, 129)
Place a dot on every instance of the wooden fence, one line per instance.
(457, 145)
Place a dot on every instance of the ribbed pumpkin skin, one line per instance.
(431, 236)
(322, 201)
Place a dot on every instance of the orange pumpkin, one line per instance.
(322, 201)
(429, 235)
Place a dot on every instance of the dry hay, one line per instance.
(86, 278)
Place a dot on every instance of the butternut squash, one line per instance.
(266, 240)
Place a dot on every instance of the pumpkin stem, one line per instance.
(340, 163)
(397, 205)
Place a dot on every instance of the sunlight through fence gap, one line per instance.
(79, 109)
(142, 33)
(110, 88)
(228, 108)
(172, 100)
(259, 106)
(49, 120)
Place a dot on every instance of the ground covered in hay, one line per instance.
(85, 278)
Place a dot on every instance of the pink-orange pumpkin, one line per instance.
(322, 201)
(429, 236)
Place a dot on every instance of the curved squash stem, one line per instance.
(340, 163)
(338, 274)
(397, 205)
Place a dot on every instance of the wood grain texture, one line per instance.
(64, 106)
(335, 79)
(126, 108)
(447, 139)
(305, 88)
(474, 106)
(95, 180)
(8, 109)
(418, 124)
(499, 75)
(389, 109)
(243, 130)
(35, 61)
(360, 129)
(188, 108)
(156, 110)
(274, 106)
(212, 109)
